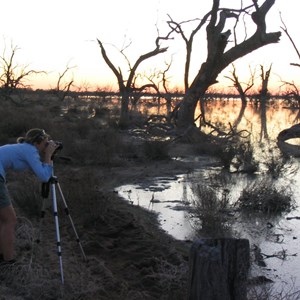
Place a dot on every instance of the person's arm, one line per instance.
(42, 169)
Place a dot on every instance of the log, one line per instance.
(219, 269)
(288, 134)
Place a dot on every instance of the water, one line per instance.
(277, 237)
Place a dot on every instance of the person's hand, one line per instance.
(49, 150)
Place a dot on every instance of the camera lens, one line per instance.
(59, 145)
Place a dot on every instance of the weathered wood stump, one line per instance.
(219, 269)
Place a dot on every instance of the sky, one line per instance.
(53, 35)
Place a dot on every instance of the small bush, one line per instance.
(278, 165)
(264, 197)
(239, 156)
(209, 209)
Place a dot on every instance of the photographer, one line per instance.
(32, 152)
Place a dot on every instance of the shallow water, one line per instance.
(170, 198)
(277, 237)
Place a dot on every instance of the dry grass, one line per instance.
(269, 292)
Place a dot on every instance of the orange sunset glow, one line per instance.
(57, 34)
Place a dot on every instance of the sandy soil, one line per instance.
(128, 255)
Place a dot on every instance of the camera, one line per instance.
(59, 145)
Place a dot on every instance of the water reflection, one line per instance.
(276, 237)
(168, 197)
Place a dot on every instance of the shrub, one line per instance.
(209, 210)
(263, 196)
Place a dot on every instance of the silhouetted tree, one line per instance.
(263, 96)
(127, 86)
(160, 80)
(265, 77)
(243, 89)
(63, 86)
(218, 56)
(12, 75)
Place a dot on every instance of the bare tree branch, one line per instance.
(12, 75)
(285, 30)
(239, 85)
(177, 28)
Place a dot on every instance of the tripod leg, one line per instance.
(71, 220)
(53, 193)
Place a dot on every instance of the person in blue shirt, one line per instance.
(33, 152)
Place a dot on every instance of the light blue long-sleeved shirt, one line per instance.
(21, 157)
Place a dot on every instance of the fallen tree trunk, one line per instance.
(288, 134)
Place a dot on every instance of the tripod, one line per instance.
(51, 186)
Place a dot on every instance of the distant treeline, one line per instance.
(178, 95)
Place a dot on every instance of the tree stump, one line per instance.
(219, 269)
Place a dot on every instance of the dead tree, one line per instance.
(218, 57)
(177, 27)
(126, 86)
(265, 77)
(12, 75)
(263, 96)
(160, 82)
(63, 87)
(292, 92)
(243, 89)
